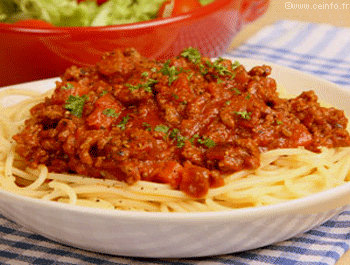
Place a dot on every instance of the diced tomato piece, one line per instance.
(195, 180)
(65, 89)
(107, 110)
(168, 172)
(300, 136)
(106, 101)
(97, 119)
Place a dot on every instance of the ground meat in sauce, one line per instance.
(186, 121)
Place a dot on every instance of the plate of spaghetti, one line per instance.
(184, 157)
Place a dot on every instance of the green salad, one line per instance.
(74, 13)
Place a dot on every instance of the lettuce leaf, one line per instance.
(7, 9)
(70, 13)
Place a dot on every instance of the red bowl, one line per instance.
(30, 52)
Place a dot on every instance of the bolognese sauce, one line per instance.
(187, 121)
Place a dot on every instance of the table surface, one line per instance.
(326, 13)
(334, 12)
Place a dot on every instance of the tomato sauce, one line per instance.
(187, 121)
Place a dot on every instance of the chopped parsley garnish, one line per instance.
(180, 140)
(236, 90)
(244, 114)
(235, 64)
(147, 126)
(123, 122)
(175, 96)
(278, 122)
(183, 70)
(174, 133)
(75, 104)
(194, 137)
(248, 96)
(189, 76)
(111, 113)
(104, 92)
(133, 87)
(203, 69)
(144, 74)
(180, 143)
(161, 128)
(207, 142)
(170, 71)
(217, 66)
(221, 69)
(228, 102)
(192, 54)
(67, 86)
(147, 86)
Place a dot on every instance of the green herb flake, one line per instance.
(180, 139)
(173, 134)
(75, 104)
(278, 122)
(144, 74)
(206, 142)
(248, 96)
(189, 77)
(243, 114)
(161, 128)
(236, 90)
(228, 102)
(180, 143)
(170, 71)
(203, 69)
(192, 54)
(193, 138)
(104, 92)
(123, 122)
(209, 63)
(111, 113)
(235, 64)
(147, 126)
(147, 86)
(67, 86)
(221, 69)
(132, 87)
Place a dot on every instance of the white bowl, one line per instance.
(141, 234)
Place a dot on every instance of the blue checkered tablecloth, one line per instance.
(319, 49)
